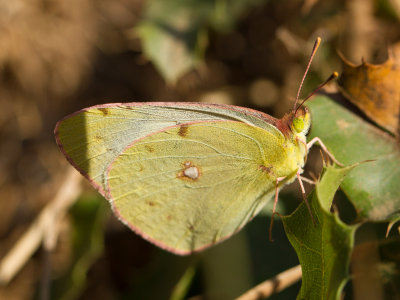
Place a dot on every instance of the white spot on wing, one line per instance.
(191, 172)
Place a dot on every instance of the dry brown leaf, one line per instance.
(375, 90)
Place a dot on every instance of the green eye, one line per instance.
(298, 124)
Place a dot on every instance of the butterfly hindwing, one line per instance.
(192, 185)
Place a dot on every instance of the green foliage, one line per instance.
(183, 285)
(173, 33)
(373, 186)
(87, 218)
(323, 249)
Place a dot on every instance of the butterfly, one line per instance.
(186, 176)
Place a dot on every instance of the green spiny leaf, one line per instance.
(373, 186)
(323, 249)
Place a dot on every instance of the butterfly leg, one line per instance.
(309, 181)
(303, 193)
(279, 179)
(318, 140)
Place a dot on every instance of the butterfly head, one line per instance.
(301, 121)
(295, 124)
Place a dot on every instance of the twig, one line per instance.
(365, 262)
(44, 292)
(274, 285)
(361, 32)
(43, 229)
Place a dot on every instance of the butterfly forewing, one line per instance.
(93, 137)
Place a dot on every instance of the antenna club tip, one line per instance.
(335, 74)
(316, 45)
(317, 42)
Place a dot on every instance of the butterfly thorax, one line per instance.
(295, 126)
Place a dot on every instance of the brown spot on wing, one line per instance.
(149, 148)
(104, 111)
(183, 130)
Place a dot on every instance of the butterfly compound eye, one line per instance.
(298, 124)
(301, 121)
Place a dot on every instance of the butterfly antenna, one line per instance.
(333, 76)
(314, 50)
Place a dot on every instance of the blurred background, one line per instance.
(60, 56)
